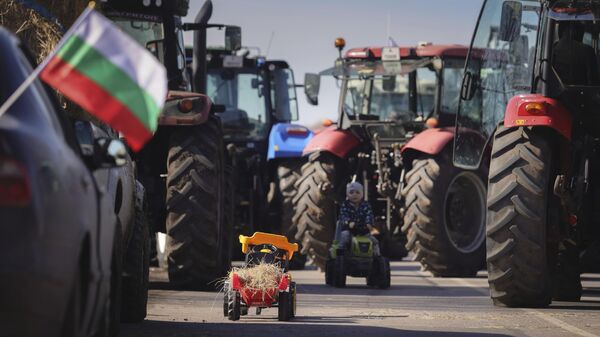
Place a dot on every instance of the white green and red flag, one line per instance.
(110, 75)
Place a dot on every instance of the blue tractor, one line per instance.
(264, 147)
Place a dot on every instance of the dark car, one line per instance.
(57, 229)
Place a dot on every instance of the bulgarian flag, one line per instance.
(110, 75)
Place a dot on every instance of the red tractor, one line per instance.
(394, 135)
(529, 109)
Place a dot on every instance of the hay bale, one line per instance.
(260, 277)
(39, 34)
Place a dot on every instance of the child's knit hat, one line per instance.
(354, 186)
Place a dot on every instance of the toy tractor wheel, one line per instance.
(226, 299)
(329, 270)
(384, 274)
(293, 300)
(445, 216)
(284, 306)
(233, 305)
(339, 272)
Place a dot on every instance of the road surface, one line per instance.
(416, 305)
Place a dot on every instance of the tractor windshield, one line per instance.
(148, 30)
(242, 93)
(387, 98)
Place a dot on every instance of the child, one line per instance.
(356, 216)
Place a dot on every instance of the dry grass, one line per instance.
(41, 35)
(260, 277)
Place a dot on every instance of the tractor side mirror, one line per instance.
(233, 38)
(467, 90)
(510, 21)
(312, 84)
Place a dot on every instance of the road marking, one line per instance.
(563, 325)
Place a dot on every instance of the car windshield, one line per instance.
(241, 91)
(387, 98)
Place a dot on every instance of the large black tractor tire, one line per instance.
(136, 267)
(288, 173)
(196, 225)
(519, 268)
(444, 219)
(315, 208)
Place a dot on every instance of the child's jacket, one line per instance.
(361, 216)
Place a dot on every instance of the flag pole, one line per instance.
(36, 72)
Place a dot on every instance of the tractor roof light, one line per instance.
(340, 43)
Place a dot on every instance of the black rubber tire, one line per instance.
(426, 195)
(136, 268)
(384, 272)
(72, 324)
(116, 285)
(283, 306)
(339, 272)
(293, 300)
(314, 207)
(567, 279)
(196, 225)
(519, 271)
(329, 270)
(233, 305)
(287, 174)
(225, 298)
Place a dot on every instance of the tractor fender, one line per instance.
(538, 110)
(288, 140)
(171, 115)
(430, 141)
(338, 142)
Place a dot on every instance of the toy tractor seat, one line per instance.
(267, 248)
(265, 253)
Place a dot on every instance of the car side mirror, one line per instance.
(110, 153)
(312, 85)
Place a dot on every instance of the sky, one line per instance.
(303, 32)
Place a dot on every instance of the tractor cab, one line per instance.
(256, 94)
(394, 92)
(511, 56)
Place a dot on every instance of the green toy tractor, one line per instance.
(358, 261)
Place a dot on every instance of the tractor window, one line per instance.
(452, 77)
(500, 66)
(245, 116)
(147, 30)
(426, 85)
(283, 95)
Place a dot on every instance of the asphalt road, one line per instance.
(416, 305)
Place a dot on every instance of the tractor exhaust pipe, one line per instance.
(199, 68)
